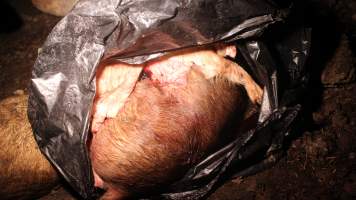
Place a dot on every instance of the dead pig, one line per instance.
(169, 121)
(116, 81)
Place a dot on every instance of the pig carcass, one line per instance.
(152, 122)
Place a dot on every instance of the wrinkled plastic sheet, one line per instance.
(63, 78)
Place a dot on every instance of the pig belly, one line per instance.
(24, 172)
(162, 131)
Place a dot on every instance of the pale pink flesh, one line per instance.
(114, 84)
(174, 67)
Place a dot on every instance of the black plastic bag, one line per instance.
(63, 79)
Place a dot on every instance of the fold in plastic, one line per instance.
(62, 87)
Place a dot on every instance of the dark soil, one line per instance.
(24, 29)
(320, 162)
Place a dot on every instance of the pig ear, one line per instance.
(113, 194)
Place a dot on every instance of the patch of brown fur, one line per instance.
(24, 172)
(162, 131)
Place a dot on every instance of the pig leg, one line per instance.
(24, 172)
(213, 63)
(236, 74)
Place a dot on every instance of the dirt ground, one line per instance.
(320, 162)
